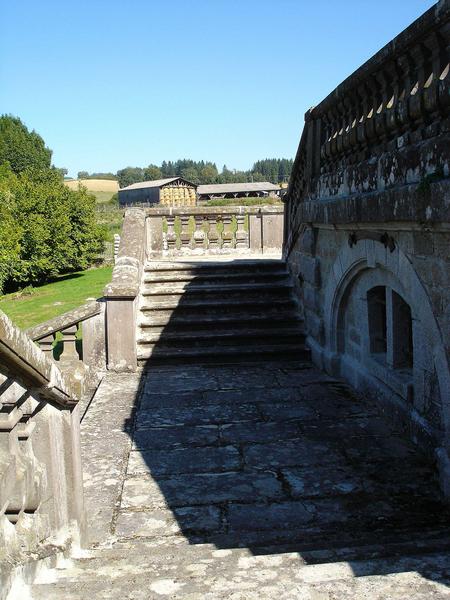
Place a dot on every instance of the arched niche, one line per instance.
(356, 271)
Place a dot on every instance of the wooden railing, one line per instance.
(41, 498)
(214, 230)
(381, 128)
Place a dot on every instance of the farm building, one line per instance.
(237, 190)
(174, 191)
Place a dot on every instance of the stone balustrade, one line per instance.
(381, 128)
(41, 498)
(214, 230)
(76, 341)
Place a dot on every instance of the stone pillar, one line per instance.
(122, 293)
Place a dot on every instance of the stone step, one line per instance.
(222, 290)
(177, 553)
(209, 278)
(231, 575)
(238, 335)
(215, 267)
(224, 353)
(173, 321)
(242, 306)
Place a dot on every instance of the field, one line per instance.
(95, 185)
(36, 305)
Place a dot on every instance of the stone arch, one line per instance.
(350, 264)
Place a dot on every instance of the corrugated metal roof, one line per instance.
(154, 183)
(224, 188)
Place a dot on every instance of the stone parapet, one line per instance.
(41, 496)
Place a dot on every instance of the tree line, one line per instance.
(46, 229)
(275, 170)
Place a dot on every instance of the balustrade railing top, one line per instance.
(76, 340)
(383, 127)
(214, 230)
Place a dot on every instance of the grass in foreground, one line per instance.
(53, 299)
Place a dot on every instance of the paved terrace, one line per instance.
(254, 481)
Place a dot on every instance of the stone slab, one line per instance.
(185, 490)
(195, 415)
(164, 522)
(237, 433)
(173, 437)
(186, 460)
(290, 453)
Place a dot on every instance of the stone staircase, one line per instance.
(258, 479)
(218, 312)
(145, 571)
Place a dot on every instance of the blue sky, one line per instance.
(116, 83)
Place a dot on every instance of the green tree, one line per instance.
(191, 174)
(21, 148)
(48, 229)
(83, 175)
(130, 175)
(152, 172)
(208, 174)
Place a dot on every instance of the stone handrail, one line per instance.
(84, 370)
(382, 127)
(41, 498)
(214, 230)
(26, 363)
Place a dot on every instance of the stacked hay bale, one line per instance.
(177, 195)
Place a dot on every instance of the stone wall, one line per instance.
(367, 231)
(41, 496)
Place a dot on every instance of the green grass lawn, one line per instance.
(53, 299)
(102, 197)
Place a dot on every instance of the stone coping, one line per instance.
(69, 318)
(214, 210)
(407, 203)
(23, 361)
(127, 270)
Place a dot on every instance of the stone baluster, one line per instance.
(419, 55)
(170, 237)
(213, 233)
(242, 239)
(402, 108)
(116, 245)
(46, 344)
(198, 239)
(69, 360)
(437, 63)
(227, 233)
(185, 235)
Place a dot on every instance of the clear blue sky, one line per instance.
(132, 82)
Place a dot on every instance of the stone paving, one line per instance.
(257, 455)
(249, 482)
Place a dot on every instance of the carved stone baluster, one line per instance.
(170, 237)
(46, 344)
(213, 233)
(242, 239)
(69, 353)
(185, 235)
(199, 233)
(227, 233)
(69, 360)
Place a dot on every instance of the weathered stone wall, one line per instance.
(367, 231)
(41, 496)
